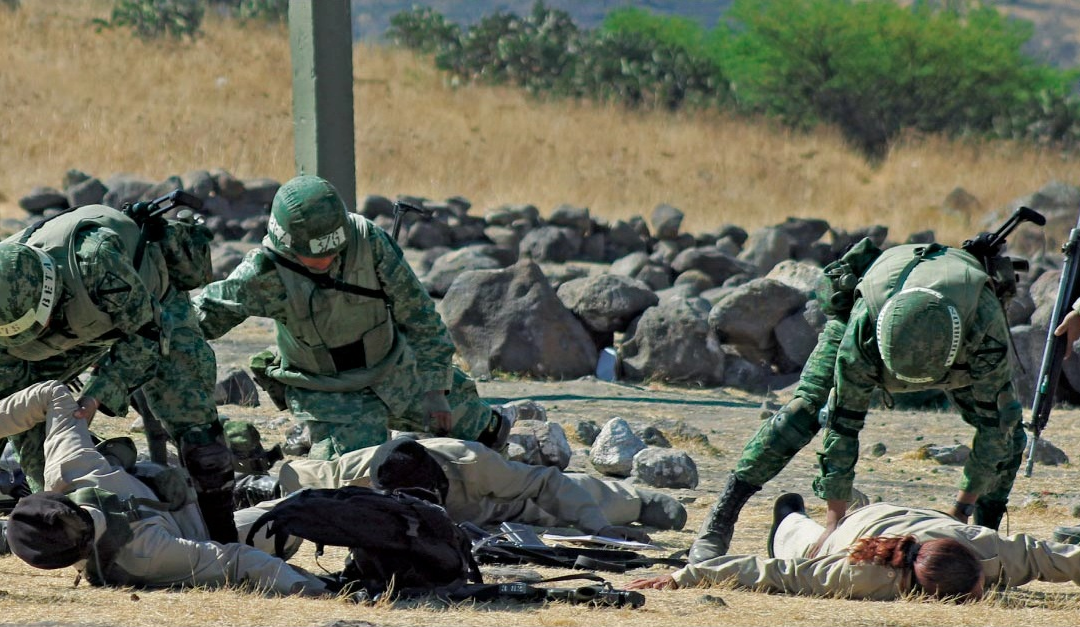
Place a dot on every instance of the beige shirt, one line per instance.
(485, 488)
(1012, 560)
(168, 548)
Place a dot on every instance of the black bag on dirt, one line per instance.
(390, 536)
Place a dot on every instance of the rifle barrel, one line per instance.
(1055, 348)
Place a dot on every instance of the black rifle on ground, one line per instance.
(1056, 346)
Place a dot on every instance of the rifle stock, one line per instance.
(1054, 351)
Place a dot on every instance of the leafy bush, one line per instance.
(423, 29)
(150, 19)
(873, 68)
(265, 10)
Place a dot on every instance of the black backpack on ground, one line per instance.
(390, 537)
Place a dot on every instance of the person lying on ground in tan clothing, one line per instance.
(883, 552)
(482, 487)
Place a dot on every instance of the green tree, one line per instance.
(874, 68)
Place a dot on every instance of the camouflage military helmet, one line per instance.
(186, 248)
(32, 286)
(919, 332)
(308, 218)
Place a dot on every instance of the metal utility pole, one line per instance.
(320, 37)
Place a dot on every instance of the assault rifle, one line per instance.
(148, 215)
(1054, 351)
(400, 209)
(987, 247)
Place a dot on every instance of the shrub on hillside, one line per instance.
(876, 68)
(872, 68)
(150, 19)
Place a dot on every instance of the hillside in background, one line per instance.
(1056, 40)
(71, 97)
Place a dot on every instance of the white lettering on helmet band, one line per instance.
(282, 236)
(329, 242)
(40, 314)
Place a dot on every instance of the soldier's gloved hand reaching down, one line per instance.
(437, 409)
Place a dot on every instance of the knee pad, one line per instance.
(210, 466)
(794, 425)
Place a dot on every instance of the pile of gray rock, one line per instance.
(545, 297)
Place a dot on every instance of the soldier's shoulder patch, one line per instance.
(112, 291)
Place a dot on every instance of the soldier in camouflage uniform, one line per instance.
(360, 347)
(923, 317)
(77, 297)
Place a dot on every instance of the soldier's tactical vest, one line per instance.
(83, 321)
(952, 272)
(335, 340)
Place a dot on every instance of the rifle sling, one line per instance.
(324, 281)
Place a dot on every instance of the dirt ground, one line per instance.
(727, 417)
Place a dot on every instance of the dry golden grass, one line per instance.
(108, 103)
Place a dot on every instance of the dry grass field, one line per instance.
(106, 103)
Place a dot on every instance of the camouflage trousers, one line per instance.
(340, 422)
(794, 425)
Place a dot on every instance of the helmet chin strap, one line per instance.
(40, 314)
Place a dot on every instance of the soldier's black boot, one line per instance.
(253, 489)
(714, 538)
(988, 512)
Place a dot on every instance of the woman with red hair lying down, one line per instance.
(883, 552)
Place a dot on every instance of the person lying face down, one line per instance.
(478, 485)
(883, 552)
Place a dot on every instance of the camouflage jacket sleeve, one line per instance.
(114, 284)
(414, 313)
(252, 289)
(857, 374)
(989, 403)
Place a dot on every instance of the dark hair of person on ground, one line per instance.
(943, 568)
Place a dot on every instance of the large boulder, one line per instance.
(746, 315)
(606, 303)
(672, 342)
(512, 320)
(448, 266)
(766, 248)
(717, 265)
(553, 244)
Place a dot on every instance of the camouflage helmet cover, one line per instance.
(919, 332)
(32, 288)
(308, 218)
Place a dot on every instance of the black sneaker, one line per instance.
(785, 504)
